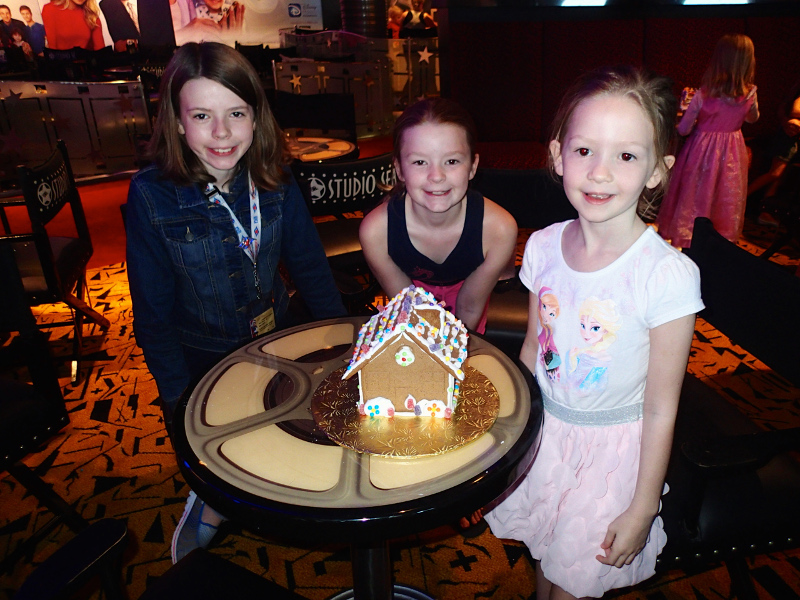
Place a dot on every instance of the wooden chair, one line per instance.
(53, 268)
(335, 188)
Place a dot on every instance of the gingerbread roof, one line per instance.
(415, 313)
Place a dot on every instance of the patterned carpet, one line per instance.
(115, 460)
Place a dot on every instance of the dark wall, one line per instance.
(509, 65)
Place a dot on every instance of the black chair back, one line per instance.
(53, 268)
(733, 283)
(735, 486)
(331, 115)
(533, 198)
(27, 411)
(333, 188)
(253, 53)
(47, 189)
(30, 413)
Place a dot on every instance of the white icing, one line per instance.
(445, 340)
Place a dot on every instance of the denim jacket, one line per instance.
(190, 282)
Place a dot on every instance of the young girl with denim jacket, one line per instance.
(207, 225)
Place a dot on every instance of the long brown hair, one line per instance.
(652, 93)
(732, 69)
(224, 65)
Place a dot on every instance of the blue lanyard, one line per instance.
(250, 244)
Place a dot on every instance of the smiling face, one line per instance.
(607, 158)
(214, 5)
(5, 15)
(436, 165)
(217, 125)
(26, 15)
(591, 330)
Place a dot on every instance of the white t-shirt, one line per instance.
(594, 342)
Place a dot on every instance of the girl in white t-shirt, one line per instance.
(616, 305)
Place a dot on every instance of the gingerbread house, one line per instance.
(409, 358)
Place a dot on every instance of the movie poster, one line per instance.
(243, 21)
(29, 27)
(21, 28)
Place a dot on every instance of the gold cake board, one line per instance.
(335, 410)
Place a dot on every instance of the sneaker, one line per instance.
(191, 531)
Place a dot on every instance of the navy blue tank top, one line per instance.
(463, 260)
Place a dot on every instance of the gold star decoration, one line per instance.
(296, 83)
(424, 55)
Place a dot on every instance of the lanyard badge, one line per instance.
(260, 312)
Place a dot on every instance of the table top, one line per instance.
(248, 445)
(313, 149)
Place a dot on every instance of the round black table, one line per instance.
(247, 444)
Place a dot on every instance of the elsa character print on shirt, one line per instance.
(588, 365)
(549, 310)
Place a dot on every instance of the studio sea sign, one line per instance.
(347, 186)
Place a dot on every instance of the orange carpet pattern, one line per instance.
(115, 460)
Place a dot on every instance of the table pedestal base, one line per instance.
(372, 576)
(399, 592)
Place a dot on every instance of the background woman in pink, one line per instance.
(710, 175)
(71, 23)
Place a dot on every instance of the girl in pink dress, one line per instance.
(710, 175)
(588, 507)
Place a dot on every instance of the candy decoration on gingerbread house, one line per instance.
(410, 358)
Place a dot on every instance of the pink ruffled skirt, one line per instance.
(582, 479)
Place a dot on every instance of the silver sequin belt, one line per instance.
(594, 418)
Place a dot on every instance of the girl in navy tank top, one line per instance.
(432, 230)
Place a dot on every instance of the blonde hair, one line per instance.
(605, 313)
(732, 69)
(91, 11)
(655, 97)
